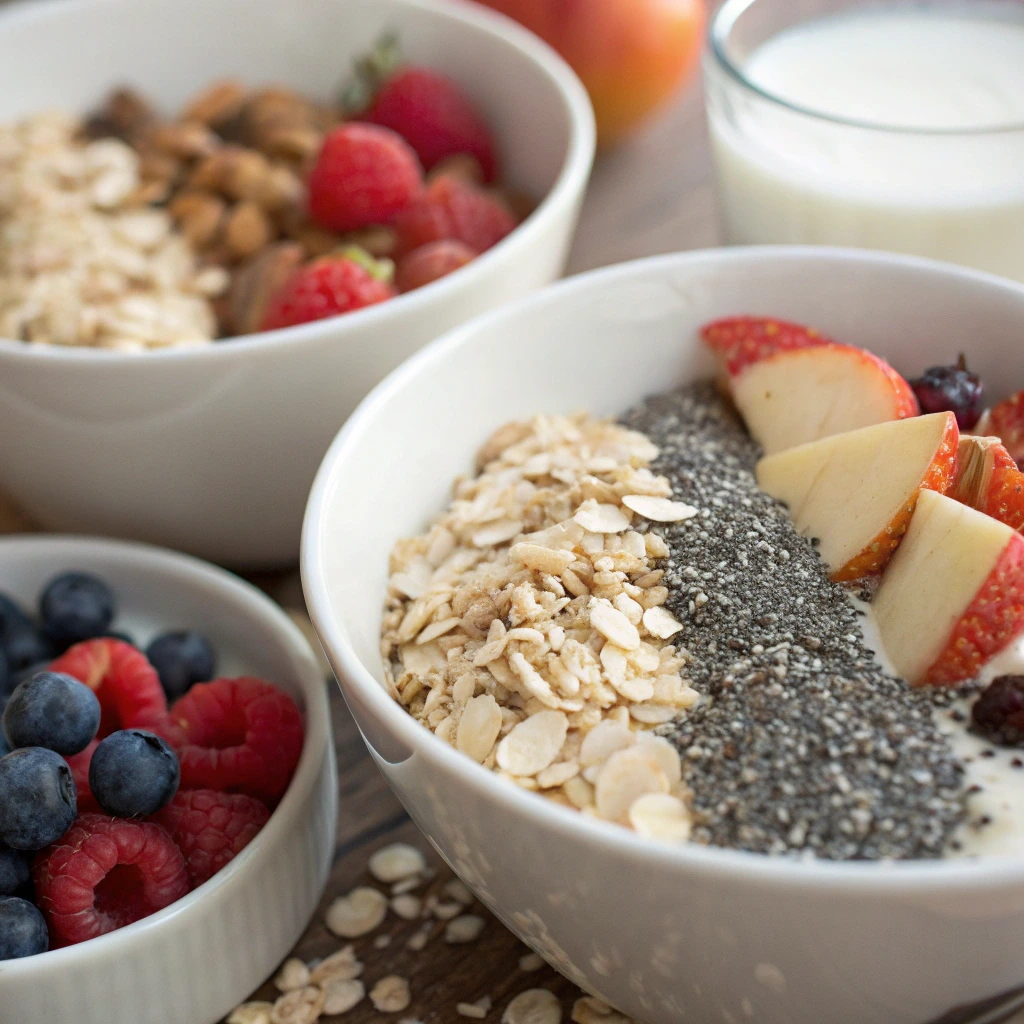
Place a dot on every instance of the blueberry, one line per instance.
(14, 870)
(22, 929)
(133, 773)
(76, 606)
(11, 615)
(118, 634)
(181, 659)
(52, 710)
(951, 389)
(37, 798)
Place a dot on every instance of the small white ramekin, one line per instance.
(667, 934)
(222, 442)
(193, 961)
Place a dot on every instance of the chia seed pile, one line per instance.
(801, 742)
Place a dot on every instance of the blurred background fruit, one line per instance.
(632, 55)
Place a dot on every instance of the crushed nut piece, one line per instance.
(390, 994)
(359, 912)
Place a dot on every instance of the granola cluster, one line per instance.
(527, 629)
(83, 259)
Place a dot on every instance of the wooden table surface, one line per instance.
(653, 195)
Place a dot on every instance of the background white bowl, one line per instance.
(213, 451)
(193, 961)
(667, 934)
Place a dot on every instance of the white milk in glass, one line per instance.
(893, 127)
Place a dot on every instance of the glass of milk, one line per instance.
(896, 125)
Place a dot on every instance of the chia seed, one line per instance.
(801, 742)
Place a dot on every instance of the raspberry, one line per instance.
(126, 684)
(237, 736)
(325, 287)
(79, 765)
(364, 175)
(433, 114)
(453, 209)
(210, 828)
(106, 873)
(430, 263)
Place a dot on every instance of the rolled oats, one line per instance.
(589, 1010)
(341, 994)
(407, 906)
(396, 862)
(466, 928)
(661, 816)
(390, 994)
(342, 964)
(534, 1006)
(357, 913)
(251, 1013)
(531, 613)
(292, 975)
(530, 962)
(659, 510)
(302, 1006)
(457, 890)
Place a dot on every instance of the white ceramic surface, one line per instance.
(667, 934)
(213, 451)
(193, 961)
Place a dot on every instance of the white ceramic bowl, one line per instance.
(667, 934)
(220, 445)
(193, 961)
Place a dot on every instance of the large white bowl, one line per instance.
(666, 934)
(193, 961)
(213, 451)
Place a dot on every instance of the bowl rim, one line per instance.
(912, 876)
(316, 744)
(568, 186)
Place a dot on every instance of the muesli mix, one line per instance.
(254, 208)
(739, 616)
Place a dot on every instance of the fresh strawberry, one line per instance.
(364, 175)
(328, 287)
(79, 765)
(988, 479)
(127, 686)
(453, 209)
(430, 263)
(105, 873)
(1006, 421)
(237, 736)
(432, 113)
(742, 340)
(211, 828)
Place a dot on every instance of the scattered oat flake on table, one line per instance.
(466, 928)
(303, 1006)
(390, 994)
(477, 1010)
(457, 890)
(407, 906)
(396, 862)
(357, 913)
(341, 994)
(256, 1012)
(534, 1006)
(292, 975)
(531, 962)
(659, 510)
(342, 964)
(588, 1010)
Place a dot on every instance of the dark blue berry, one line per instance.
(14, 870)
(11, 615)
(22, 929)
(951, 389)
(133, 773)
(181, 660)
(37, 798)
(52, 710)
(118, 634)
(5, 747)
(76, 606)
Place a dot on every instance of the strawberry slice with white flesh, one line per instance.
(952, 596)
(856, 492)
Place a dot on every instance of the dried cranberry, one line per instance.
(951, 389)
(998, 714)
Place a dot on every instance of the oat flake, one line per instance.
(396, 862)
(534, 1006)
(359, 912)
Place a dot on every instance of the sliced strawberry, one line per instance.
(741, 340)
(127, 686)
(1006, 421)
(988, 479)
